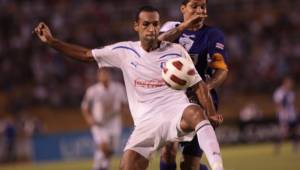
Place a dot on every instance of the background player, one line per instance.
(284, 99)
(205, 45)
(160, 113)
(101, 108)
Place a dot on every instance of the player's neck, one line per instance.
(197, 27)
(105, 84)
(150, 46)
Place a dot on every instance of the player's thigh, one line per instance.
(168, 152)
(132, 160)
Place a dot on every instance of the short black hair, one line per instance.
(184, 2)
(145, 8)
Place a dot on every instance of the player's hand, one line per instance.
(194, 21)
(215, 119)
(43, 32)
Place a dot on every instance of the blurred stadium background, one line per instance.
(41, 91)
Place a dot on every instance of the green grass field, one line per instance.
(243, 157)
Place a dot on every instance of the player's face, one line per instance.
(148, 26)
(194, 7)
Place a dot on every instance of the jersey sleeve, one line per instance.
(277, 97)
(107, 56)
(217, 44)
(168, 26)
(197, 77)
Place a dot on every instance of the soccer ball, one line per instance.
(178, 73)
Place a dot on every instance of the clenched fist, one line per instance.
(43, 32)
(216, 119)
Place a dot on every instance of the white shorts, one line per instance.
(109, 133)
(151, 135)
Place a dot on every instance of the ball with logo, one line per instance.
(178, 73)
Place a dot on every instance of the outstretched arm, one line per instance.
(71, 50)
(174, 33)
(206, 102)
(217, 78)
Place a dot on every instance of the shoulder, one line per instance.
(124, 44)
(278, 93)
(170, 45)
(214, 31)
(169, 25)
(93, 88)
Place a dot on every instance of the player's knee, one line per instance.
(192, 116)
(132, 160)
(106, 149)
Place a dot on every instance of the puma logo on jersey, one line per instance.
(134, 64)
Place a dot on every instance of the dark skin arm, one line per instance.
(73, 51)
(174, 33)
(217, 78)
(206, 102)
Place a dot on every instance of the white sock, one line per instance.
(100, 161)
(209, 144)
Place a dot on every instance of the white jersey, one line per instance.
(148, 95)
(169, 25)
(104, 102)
(285, 99)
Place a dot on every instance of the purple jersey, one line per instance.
(201, 45)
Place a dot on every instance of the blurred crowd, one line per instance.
(16, 134)
(262, 38)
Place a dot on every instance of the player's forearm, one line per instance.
(87, 115)
(204, 98)
(71, 50)
(217, 79)
(172, 34)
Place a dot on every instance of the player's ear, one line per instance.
(182, 8)
(136, 26)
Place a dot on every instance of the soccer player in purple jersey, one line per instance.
(205, 45)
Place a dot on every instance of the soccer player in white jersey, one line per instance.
(160, 113)
(101, 108)
(284, 99)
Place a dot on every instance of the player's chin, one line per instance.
(151, 37)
